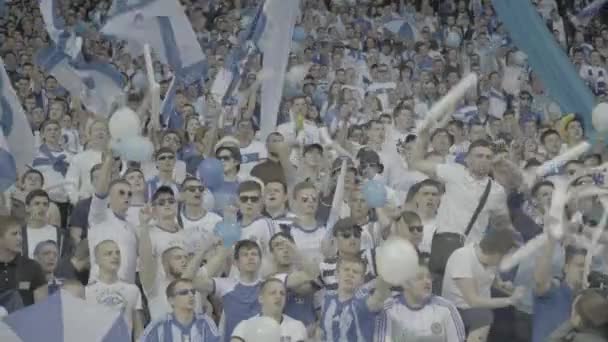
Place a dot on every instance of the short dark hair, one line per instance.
(281, 234)
(572, 251)
(480, 143)
(189, 179)
(170, 291)
(32, 171)
(547, 133)
(539, 185)
(278, 181)
(345, 224)
(497, 240)
(249, 185)
(95, 167)
(302, 186)
(414, 189)
(162, 190)
(246, 244)
(36, 193)
(357, 259)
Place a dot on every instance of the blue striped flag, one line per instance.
(17, 140)
(274, 40)
(164, 25)
(99, 85)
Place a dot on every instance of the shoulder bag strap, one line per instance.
(482, 203)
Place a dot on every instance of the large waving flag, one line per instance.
(17, 140)
(275, 30)
(99, 85)
(530, 34)
(63, 317)
(65, 40)
(164, 25)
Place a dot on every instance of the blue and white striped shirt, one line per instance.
(168, 329)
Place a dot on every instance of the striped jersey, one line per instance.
(328, 280)
(437, 321)
(168, 329)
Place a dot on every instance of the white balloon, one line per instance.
(136, 148)
(124, 123)
(397, 261)
(599, 117)
(262, 329)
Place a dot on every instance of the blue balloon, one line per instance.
(299, 34)
(211, 173)
(229, 232)
(375, 194)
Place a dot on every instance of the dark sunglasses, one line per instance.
(185, 292)
(123, 193)
(418, 229)
(224, 158)
(365, 166)
(252, 199)
(161, 158)
(347, 235)
(162, 202)
(199, 188)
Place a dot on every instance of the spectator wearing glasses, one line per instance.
(183, 323)
(231, 160)
(254, 226)
(408, 226)
(165, 163)
(347, 236)
(108, 220)
(198, 222)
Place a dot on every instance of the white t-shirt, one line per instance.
(119, 296)
(462, 195)
(38, 235)
(308, 241)
(199, 231)
(291, 330)
(429, 228)
(162, 241)
(464, 264)
(260, 231)
(105, 225)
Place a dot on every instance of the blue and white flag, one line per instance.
(465, 114)
(164, 25)
(63, 317)
(17, 147)
(65, 40)
(99, 85)
(587, 14)
(275, 31)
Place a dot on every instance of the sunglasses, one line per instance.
(162, 202)
(252, 199)
(418, 229)
(185, 292)
(355, 234)
(224, 158)
(123, 193)
(365, 166)
(199, 188)
(161, 158)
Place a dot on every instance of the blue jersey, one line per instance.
(347, 321)
(240, 302)
(167, 329)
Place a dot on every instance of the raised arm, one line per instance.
(99, 201)
(203, 281)
(148, 265)
(542, 271)
(418, 162)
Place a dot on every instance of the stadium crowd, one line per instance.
(152, 239)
